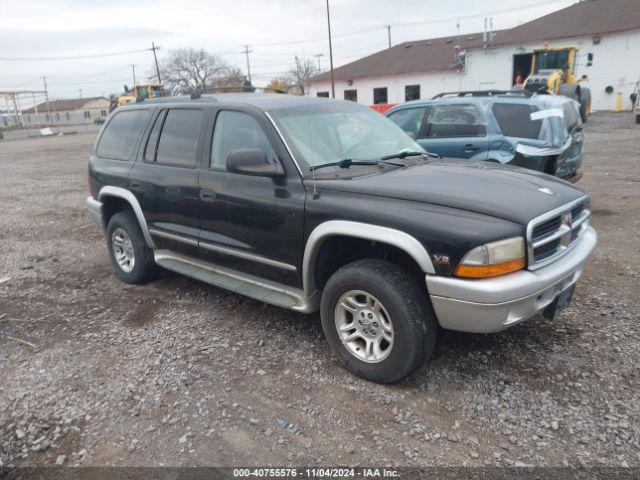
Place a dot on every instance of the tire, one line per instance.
(638, 118)
(569, 90)
(585, 104)
(125, 240)
(403, 305)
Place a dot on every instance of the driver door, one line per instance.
(262, 230)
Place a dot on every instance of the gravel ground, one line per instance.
(176, 372)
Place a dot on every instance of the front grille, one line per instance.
(553, 234)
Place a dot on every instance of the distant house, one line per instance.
(66, 112)
(608, 29)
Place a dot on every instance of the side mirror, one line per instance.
(252, 161)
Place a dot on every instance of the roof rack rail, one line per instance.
(239, 89)
(482, 93)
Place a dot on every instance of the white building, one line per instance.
(66, 112)
(609, 29)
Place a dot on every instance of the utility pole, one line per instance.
(133, 68)
(318, 55)
(388, 27)
(333, 82)
(15, 109)
(155, 57)
(79, 93)
(46, 96)
(246, 51)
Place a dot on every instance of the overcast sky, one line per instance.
(276, 31)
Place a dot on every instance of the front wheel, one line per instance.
(378, 320)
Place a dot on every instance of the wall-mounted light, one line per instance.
(349, 82)
(596, 40)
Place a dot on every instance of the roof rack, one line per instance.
(483, 93)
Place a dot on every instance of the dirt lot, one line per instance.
(180, 373)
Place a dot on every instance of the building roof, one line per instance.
(585, 18)
(436, 54)
(62, 105)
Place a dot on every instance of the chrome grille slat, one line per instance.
(552, 234)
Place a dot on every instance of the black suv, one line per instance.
(316, 204)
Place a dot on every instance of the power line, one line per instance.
(77, 57)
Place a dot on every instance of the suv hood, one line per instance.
(509, 193)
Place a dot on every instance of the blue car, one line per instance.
(540, 132)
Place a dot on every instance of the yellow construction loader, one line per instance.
(140, 91)
(553, 71)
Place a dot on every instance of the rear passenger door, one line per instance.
(165, 177)
(455, 130)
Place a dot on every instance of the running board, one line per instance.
(249, 285)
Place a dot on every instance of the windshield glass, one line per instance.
(552, 60)
(332, 131)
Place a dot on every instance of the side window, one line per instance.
(152, 143)
(178, 142)
(351, 95)
(379, 95)
(455, 120)
(409, 119)
(234, 130)
(515, 120)
(119, 138)
(411, 92)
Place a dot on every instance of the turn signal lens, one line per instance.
(482, 271)
(492, 259)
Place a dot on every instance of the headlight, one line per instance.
(492, 259)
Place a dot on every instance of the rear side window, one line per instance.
(455, 120)
(515, 120)
(235, 130)
(152, 142)
(178, 144)
(409, 119)
(120, 136)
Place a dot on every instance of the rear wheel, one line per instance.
(132, 259)
(378, 320)
(638, 118)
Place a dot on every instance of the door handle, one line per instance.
(469, 147)
(135, 185)
(207, 195)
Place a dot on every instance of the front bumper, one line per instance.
(493, 304)
(95, 210)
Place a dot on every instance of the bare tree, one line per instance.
(233, 80)
(300, 75)
(186, 69)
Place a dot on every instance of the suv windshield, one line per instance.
(334, 131)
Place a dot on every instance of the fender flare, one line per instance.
(123, 193)
(390, 236)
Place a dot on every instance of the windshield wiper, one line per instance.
(347, 162)
(408, 153)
